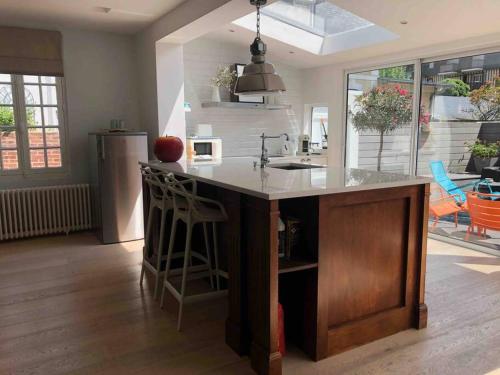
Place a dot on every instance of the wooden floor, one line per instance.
(70, 305)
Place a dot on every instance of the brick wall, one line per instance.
(10, 159)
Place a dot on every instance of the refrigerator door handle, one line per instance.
(103, 154)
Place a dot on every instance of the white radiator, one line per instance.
(44, 210)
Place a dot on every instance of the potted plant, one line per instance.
(424, 120)
(382, 109)
(484, 154)
(222, 83)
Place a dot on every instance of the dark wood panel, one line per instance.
(367, 267)
(359, 332)
(237, 335)
(371, 255)
(260, 236)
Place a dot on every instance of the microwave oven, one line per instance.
(204, 148)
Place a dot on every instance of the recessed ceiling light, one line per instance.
(231, 30)
(291, 52)
(403, 22)
(125, 12)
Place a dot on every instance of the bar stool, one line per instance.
(192, 209)
(160, 199)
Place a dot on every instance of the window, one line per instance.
(31, 124)
(319, 127)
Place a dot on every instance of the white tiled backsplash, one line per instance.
(239, 128)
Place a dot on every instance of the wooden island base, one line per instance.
(359, 275)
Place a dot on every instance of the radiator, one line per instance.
(44, 210)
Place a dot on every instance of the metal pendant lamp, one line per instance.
(259, 77)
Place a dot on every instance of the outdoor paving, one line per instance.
(447, 228)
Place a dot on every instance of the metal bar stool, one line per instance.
(192, 209)
(159, 199)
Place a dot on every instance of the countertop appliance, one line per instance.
(116, 184)
(304, 144)
(204, 148)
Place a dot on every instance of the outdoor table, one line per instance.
(495, 187)
(491, 172)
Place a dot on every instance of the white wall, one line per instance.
(170, 88)
(239, 128)
(324, 85)
(100, 77)
(188, 21)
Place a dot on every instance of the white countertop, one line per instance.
(269, 183)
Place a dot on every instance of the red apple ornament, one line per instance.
(168, 149)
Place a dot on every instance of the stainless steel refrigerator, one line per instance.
(116, 184)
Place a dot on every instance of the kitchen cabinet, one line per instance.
(352, 280)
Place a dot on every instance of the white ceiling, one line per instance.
(430, 22)
(125, 16)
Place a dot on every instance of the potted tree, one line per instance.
(486, 101)
(484, 154)
(382, 109)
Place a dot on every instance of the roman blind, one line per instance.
(30, 51)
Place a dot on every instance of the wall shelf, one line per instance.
(293, 265)
(238, 105)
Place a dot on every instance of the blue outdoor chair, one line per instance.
(441, 177)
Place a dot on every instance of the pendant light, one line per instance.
(259, 77)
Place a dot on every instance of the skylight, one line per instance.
(316, 26)
(316, 16)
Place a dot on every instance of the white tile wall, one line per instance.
(239, 128)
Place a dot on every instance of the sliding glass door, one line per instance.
(458, 141)
(439, 119)
(380, 106)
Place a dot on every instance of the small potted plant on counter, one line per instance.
(222, 83)
(484, 154)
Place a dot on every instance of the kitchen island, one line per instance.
(358, 271)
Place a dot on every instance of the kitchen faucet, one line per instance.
(264, 158)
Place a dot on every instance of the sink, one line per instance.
(294, 166)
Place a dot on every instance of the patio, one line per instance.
(446, 225)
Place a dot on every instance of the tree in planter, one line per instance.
(486, 101)
(382, 109)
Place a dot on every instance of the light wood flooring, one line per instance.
(69, 305)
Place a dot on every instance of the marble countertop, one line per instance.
(269, 183)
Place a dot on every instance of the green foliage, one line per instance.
(6, 116)
(486, 102)
(483, 149)
(454, 87)
(397, 72)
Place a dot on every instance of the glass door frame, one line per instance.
(417, 89)
(417, 63)
(417, 86)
